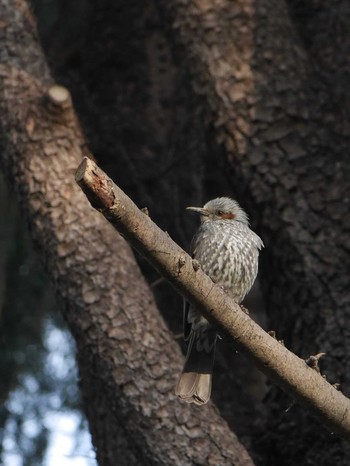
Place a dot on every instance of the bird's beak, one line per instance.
(200, 210)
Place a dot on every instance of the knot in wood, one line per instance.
(312, 361)
(196, 265)
(181, 261)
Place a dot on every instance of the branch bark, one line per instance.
(291, 373)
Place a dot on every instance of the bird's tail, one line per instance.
(195, 381)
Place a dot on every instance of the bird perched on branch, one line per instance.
(227, 250)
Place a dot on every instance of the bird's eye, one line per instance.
(220, 212)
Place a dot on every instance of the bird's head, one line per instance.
(221, 208)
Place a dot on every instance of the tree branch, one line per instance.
(287, 370)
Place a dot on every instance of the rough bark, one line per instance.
(277, 105)
(276, 86)
(127, 358)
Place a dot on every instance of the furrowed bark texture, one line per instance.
(128, 360)
(278, 103)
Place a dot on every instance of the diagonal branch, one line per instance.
(287, 370)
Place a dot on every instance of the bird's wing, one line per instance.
(186, 324)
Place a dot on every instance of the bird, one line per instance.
(228, 251)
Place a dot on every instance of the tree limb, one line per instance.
(288, 371)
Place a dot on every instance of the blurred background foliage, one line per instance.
(39, 393)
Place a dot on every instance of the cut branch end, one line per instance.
(95, 184)
(59, 95)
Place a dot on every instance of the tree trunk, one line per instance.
(272, 78)
(128, 360)
(276, 104)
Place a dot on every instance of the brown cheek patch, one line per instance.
(228, 216)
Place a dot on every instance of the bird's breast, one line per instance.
(228, 253)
